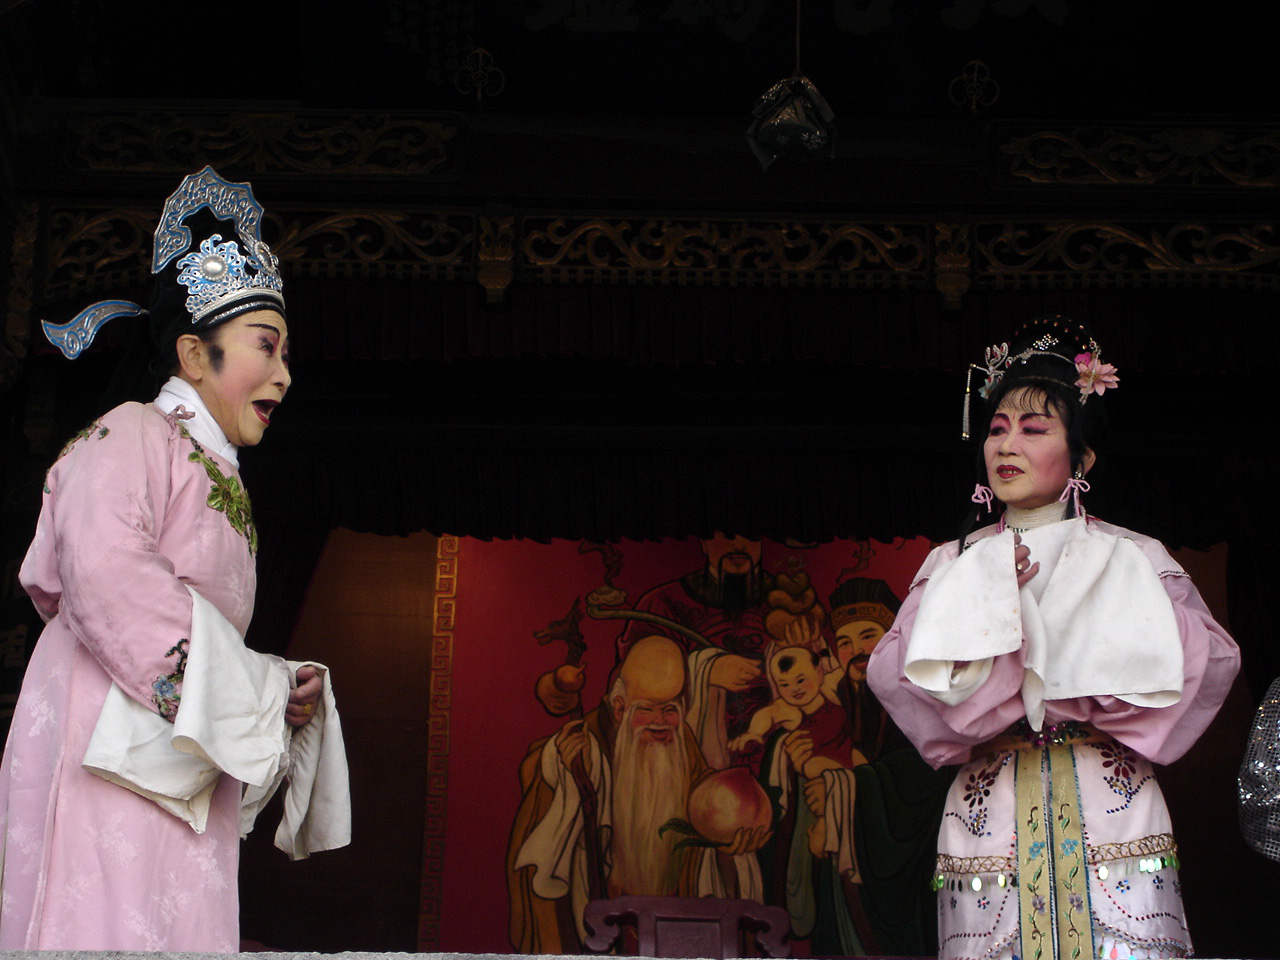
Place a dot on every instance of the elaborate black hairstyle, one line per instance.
(1058, 362)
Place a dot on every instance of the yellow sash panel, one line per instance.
(1053, 894)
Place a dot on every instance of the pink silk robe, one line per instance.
(126, 522)
(1123, 814)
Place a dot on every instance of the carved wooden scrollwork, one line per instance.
(711, 251)
(951, 262)
(1171, 156)
(90, 251)
(496, 256)
(106, 249)
(95, 250)
(298, 142)
(377, 243)
(1119, 253)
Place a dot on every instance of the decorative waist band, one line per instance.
(1020, 736)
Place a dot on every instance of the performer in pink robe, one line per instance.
(1057, 658)
(141, 507)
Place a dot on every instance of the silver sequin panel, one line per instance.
(1259, 783)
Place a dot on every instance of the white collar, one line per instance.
(179, 393)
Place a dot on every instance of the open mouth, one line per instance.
(1007, 473)
(263, 409)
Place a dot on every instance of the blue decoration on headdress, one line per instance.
(215, 277)
(76, 334)
(205, 190)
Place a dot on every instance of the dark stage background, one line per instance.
(540, 288)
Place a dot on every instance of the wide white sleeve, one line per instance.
(231, 721)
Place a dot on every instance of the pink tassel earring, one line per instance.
(983, 494)
(1075, 486)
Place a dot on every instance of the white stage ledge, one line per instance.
(139, 955)
(143, 955)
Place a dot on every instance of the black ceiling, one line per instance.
(624, 105)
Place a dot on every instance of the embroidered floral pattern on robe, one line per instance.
(1120, 772)
(94, 427)
(227, 496)
(166, 690)
(977, 789)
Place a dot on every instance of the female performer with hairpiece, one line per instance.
(146, 735)
(1057, 657)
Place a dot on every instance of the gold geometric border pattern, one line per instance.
(1165, 155)
(443, 611)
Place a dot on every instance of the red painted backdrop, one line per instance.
(508, 590)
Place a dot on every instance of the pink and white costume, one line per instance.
(135, 512)
(1056, 699)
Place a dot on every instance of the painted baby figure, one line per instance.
(1056, 657)
(807, 700)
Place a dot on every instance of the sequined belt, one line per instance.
(1020, 736)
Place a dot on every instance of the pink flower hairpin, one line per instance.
(1095, 376)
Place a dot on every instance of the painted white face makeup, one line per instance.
(1028, 459)
(253, 376)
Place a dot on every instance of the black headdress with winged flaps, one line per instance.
(210, 265)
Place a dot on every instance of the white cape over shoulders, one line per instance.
(1089, 581)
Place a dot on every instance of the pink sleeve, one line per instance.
(1211, 660)
(94, 558)
(943, 734)
(947, 734)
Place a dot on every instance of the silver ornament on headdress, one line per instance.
(997, 362)
(215, 276)
(78, 332)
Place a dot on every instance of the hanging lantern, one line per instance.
(792, 118)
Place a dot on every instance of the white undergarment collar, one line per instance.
(179, 393)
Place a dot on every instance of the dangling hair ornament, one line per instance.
(1057, 337)
(996, 360)
(1075, 486)
(222, 279)
(983, 495)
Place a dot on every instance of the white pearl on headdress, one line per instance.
(213, 267)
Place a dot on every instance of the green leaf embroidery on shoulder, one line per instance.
(227, 496)
(94, 427)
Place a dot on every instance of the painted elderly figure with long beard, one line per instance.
(596, 797)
